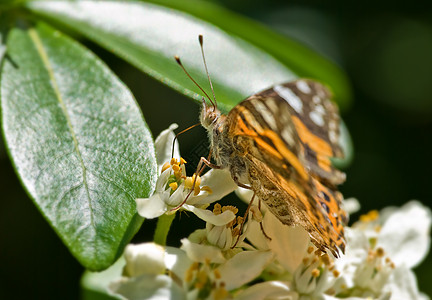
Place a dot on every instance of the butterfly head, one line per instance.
(209, 115)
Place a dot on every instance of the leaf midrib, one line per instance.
(34, 36)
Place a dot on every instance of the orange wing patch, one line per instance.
(319, 156)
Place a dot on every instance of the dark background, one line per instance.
(386, 50)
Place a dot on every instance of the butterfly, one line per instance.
(278, 143)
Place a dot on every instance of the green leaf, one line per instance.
(78, 141)
(243, 57)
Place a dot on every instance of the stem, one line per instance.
(162, 228)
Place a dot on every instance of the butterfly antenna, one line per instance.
(201, 41)
(176, 136)
(190, 77)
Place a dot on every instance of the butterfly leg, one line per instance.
(261, 223)
(244, 219)
(200, 168)
(236, 180)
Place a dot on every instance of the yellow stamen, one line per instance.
(173, 186)
(236, 231)
(370, 216)
(231, 208)
(372, 242)
(182, 161)
(198, 180)
(377, 228)
(336, 273)
(217, 210)
(380, 252)
(188, 183)
(315, 273)
(232, 223)
(207, 189)
(174, 161)
(326, 259)
(175, 168)
(202, 277)
(178, 174)
(220, 294)
(190, 272)
(196, 190)
(165, 167)
(199, 285)
(189, 275)
(310, 249)
(217, 274)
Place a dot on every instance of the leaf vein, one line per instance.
(46, 62)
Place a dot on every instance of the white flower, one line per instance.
(153, 272)
(144, 275)
(379, 255)
(173, 186)
(299, 271)
(382, 249)
(215, 275)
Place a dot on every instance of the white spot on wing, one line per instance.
(320, 109)
(303, 87)
(332, 125)
(321, 93)
(251, 119)
(287, 136)
(290, 97)
(316, 118)
(333, 136)
(266, 114)
(271, 103)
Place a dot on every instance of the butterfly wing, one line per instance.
(290, 146)
(316, 119)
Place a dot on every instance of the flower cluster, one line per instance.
(260, 258)
(173, 186)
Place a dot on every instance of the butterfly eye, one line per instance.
(211, 117)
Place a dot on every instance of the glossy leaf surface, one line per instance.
(149, 35)
(78, 141)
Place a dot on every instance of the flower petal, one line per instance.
(351, 205)
(177, 197)
(208, 216)
(288, 243)
(403, 285)
(152, 207)
(146, 258)
(221, 184)
(202, 253)
(405, 234)
(244, 194)
(162, 180)
(240, 269)
(177, 261)
(151, 287)
(256, 236)
(164, 144)
(268, 290)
